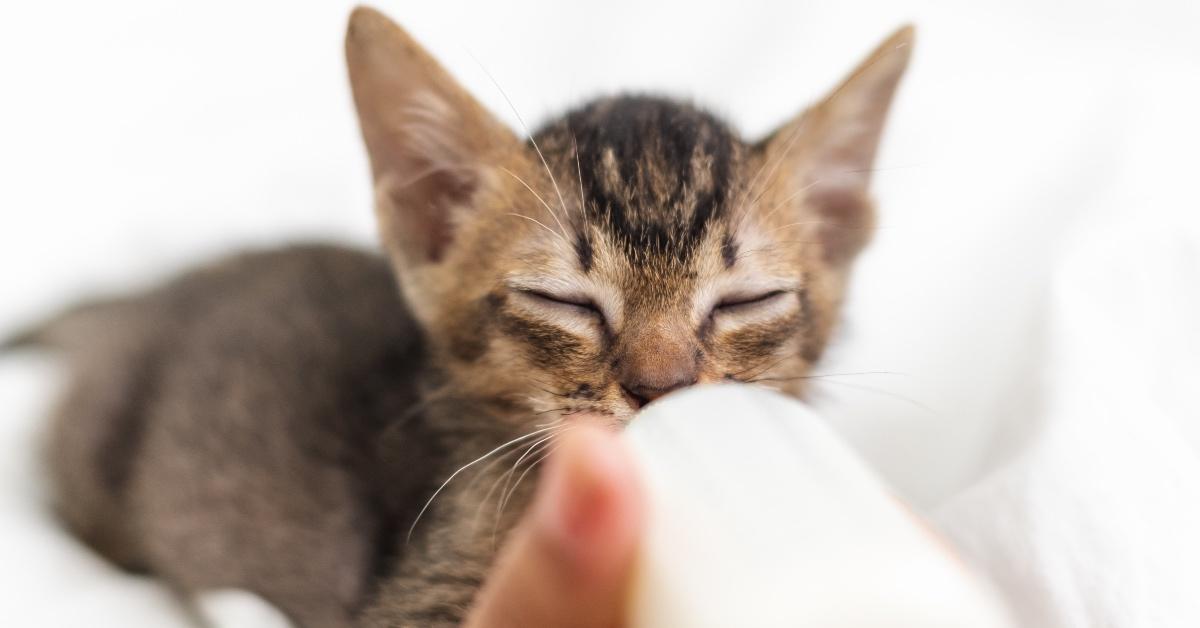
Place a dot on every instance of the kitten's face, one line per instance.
(661, 266)
(646, 248)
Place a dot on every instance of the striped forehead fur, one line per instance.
(655, 174)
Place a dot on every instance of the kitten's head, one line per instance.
(633, 247)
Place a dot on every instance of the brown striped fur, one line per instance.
(619, 262)
(277, 421)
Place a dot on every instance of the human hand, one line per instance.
(568, 563)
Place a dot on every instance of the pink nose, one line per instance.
(653, 369)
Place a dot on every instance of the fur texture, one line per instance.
(279, 421)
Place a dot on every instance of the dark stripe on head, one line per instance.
(656, 173)
(583, 248)
(729, 250)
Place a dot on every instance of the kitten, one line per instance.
(278, 421)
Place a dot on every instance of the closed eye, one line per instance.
(579, 304)
(734, 303)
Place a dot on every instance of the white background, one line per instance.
(139, 137)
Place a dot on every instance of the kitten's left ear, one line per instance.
(830, 149)
(431, 144)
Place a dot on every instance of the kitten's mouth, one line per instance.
(636, 402)
(639, 397)
(615, 409)
(620, 413)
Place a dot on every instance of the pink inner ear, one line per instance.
(422, 213)
(846, 216)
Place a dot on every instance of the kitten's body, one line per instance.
(221, 430)
(278, 421)
(254, 424)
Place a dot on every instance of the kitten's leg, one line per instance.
(234, 493)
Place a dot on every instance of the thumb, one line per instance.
(568, 563)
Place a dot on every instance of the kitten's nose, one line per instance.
(639, 395)
(656, 359)
(652, 373)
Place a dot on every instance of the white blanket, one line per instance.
(1096, 521)
(1026, 316)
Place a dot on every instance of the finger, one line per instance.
(569, 561)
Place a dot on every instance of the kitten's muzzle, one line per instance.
(657, 358)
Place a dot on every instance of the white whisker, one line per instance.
(488, 467)
(536, 148)
(789, 199)
(502, 478)
(550, 448)
(799, 224)
(463, 468)
(528, 451)
(538, 223)
(579, 173)
(563, 235)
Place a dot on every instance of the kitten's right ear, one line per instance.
(829, 151)
(430, 143)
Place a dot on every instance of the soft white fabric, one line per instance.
(1095, 523)
(140, 137)
(1093, 519)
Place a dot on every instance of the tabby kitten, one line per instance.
(279, 421)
